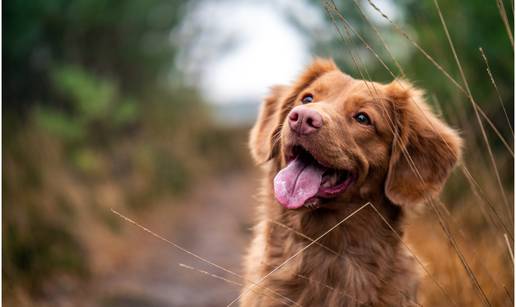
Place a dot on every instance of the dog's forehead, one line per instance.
(333, 80)
(339, 85)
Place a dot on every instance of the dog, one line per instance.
(335, 148)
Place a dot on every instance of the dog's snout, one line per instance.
(303, 120)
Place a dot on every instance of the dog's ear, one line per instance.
(424, 148)
(264, 137)
(261, 139)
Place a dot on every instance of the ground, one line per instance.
(213, 222)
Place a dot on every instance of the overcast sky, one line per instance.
(235, 50)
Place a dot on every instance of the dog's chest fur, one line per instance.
(360, 263)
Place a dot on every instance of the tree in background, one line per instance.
(80, 78)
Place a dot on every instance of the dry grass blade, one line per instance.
(508, 295)
(297, 254)
(441, 288)
(440, 68)
(509, 247)
(303, 236)
(229, 281)
(349, 29)
(503, 15)
(496, 89)
(340, 255)
(465, 238)
(202, 259)
(498, 134)
(412, 165)
(173, 244)
(464, 262)
(496, 218)
(477, 109)
(415, 44)
(326, 285)
(489, 273)
(380, 37)
(331, 6)
(493, 162)
(474, 105)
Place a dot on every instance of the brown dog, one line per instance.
(330, 144)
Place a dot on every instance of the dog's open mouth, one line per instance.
(304, 180)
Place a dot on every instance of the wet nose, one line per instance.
(304, 121)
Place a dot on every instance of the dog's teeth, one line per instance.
(330, 180)
(312, 204)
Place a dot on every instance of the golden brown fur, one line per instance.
(362, 262)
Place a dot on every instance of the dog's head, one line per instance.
(336, 138)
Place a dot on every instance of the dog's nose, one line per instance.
(304, 121)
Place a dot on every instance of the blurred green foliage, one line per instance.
(93, 112)
(126, 41)
(92, 104)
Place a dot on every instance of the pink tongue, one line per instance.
(297, 182)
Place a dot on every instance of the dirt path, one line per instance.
(212, 222)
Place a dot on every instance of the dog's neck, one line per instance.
(360, 252)
(366, 215)
(360, 223)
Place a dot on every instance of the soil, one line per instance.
(213, 222)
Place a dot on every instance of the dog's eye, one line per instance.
(362, 118)
(307, 98)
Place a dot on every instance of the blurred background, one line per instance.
(144, 107)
